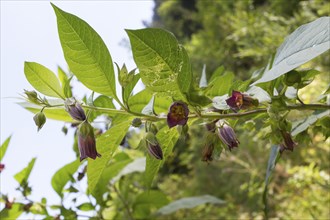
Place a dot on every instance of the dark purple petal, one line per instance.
(177, 114)
(207, 152)
(2, 167)
(86, 142)
(288, 144)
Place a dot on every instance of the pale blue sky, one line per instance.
(29, 33)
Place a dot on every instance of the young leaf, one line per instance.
(24, 174)
(189, 203)
(106, 145)
(164, 64)
(166, 138)
(203, 80)
(308, 41)
(302, 125)
(129, 88)
(86, 53)
(43, 79)
(149, 108)
(65, 81)
(86, 207)
(63, 175)
(137, 102)
(4, 147)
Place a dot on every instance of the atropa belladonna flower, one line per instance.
(74, 109)
(239, 101)
(177, 114)
(86, 141)
(288, 144)
(228, 136)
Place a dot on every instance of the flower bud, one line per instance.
(39, 120)
(136, 122)
(86, 141)
(177, 114)
(292, 77)
(153, 146)
(239, 101)
(74, 109)
(32, 96)
(228, 136)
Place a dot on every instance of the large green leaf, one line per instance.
(86, 53)
(106, 145)
(163, 63)
(188, 203)
(167, 139)
(56, 113)
(4, 147)
(305, 43)
(43, 79)
(23, 175)
(137, 102)
(63, 175)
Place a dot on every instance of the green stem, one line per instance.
(206, 115)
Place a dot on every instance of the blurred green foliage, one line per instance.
(242, 36)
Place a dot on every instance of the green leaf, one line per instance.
(138, 165)
(308, 41)
(13, 213)
(166, 138)
(109, 173)
(63, 175)
(103, 102)
(137, 102)
(86, 207)
(23, 175)
(163, 64)
(86, 53)
(4, 147)
(273, 159)
(220, 85)
(149, 108)
(146, 201)
(56, 113)
(302, 125)
(43, 79)
(188, 203)
(106, 145)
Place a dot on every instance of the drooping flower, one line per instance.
(228, 136)
(207, 152)
(86, 141)
(288, 144)
(240, 100)
(153, 146)
(177, 114)
(74, 109)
